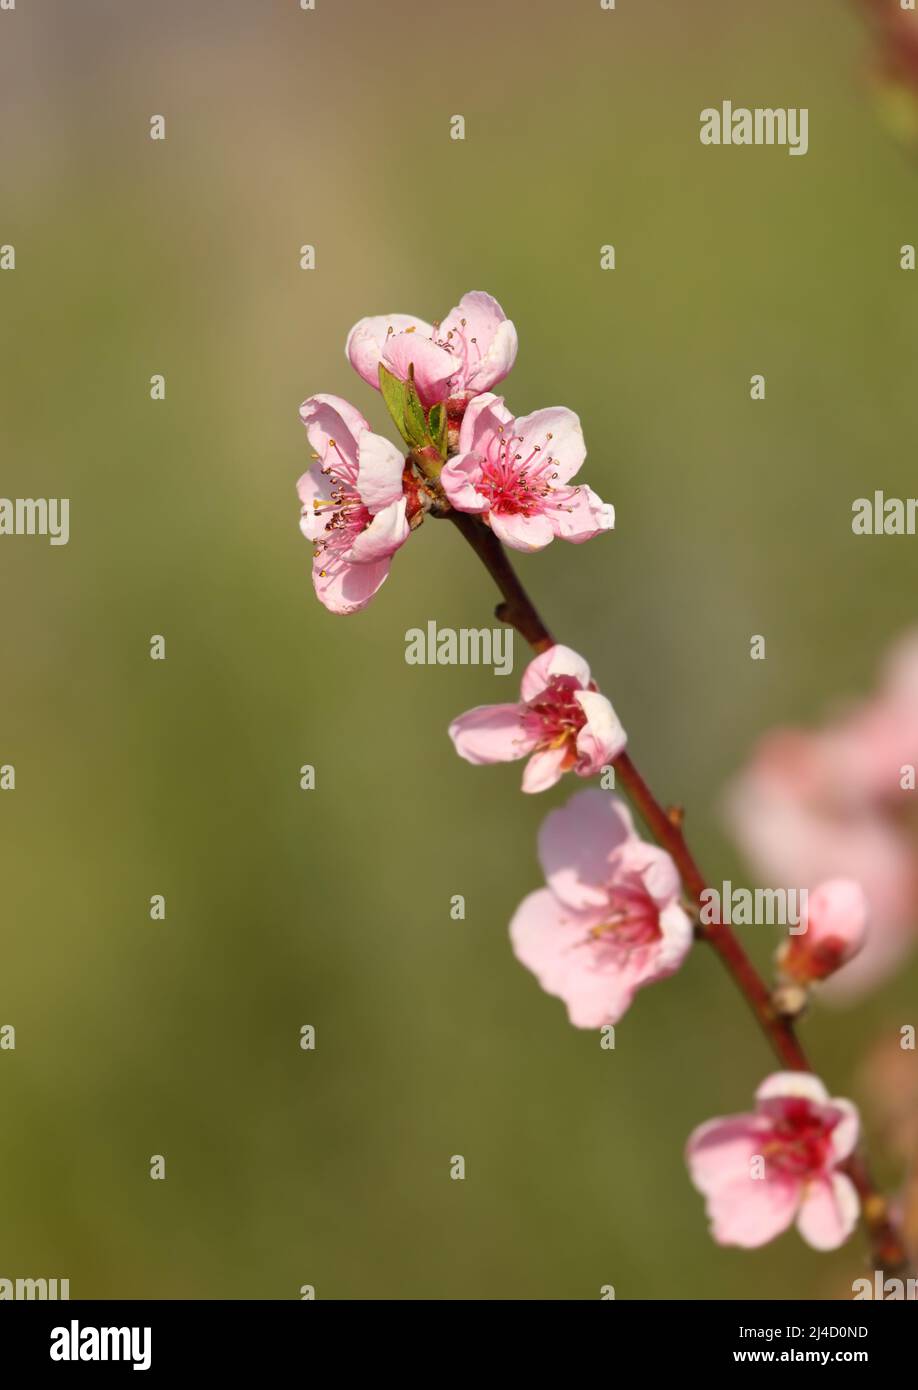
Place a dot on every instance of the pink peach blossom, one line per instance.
(836, 929)
(609, 921)
(561, 721)
(834, 802)
(763, 1171)
(353, 504)
(517, 475)
(470, 351)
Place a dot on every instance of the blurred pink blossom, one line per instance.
(609, 921)
(777, 1165)
(837, 802)
(561, 721)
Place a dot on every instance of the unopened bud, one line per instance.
(835, 930)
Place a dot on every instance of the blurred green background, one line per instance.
(181, 777)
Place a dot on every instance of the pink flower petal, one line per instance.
(544, 769)
(566, 445)
(313, 486)
(485, 344)
(526, 533)
(577, 844)
(484, 417)
(720, 1152)
(482, 314)
(330, 418)
(847, 1131)
(491, 734)
(433, 367)
(602, 737)
(556, 661)
(387, 531)
(677, 938)
(458, 478)
(802, 1084)
(379, 475)
(554, 945)
(603, 998)
(582, 517)
(829, 1212)
(496, 363)
(346, 588)
(547, 939)
(653, 866)
(752, 1211)
(366, 339)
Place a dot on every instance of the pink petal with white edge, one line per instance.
(387, 531)
(379, 475)
(555, 661)
(348, 588)
(801, 1084)
(566, 446)
(829, 1212)
(602, 737)
(491, 734)
(544, 769)
(330, 418)
(677, 939)
(847, 1131)
(365, 341)
(459, 479)
(527, 533)
(752, 1211)
(577, 844)
(582, 517)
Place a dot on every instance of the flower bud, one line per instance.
(836, 928)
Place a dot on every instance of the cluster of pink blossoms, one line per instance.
(359, 498)
(610, 919)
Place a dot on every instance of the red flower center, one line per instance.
(800, 1143)
(555, 717)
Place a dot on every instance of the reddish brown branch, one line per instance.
(518, 610)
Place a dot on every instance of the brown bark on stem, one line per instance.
(518, 610)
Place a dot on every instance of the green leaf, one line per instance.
(415, 419)
(395, 393)
(439, 428)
